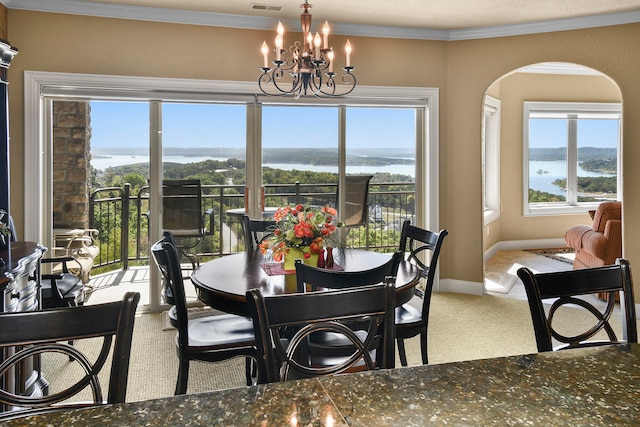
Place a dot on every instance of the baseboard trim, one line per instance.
(461, 287)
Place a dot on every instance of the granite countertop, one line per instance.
(595, 386)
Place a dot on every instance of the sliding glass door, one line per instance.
(234, 143)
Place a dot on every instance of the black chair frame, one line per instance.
(38, 332)
(283, 357)
(566, 287)
(409, 323)
(255, 231)
(214, 350)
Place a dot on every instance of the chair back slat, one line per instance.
(314, 278)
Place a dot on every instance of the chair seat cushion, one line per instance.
(220, 331)
(407, 314)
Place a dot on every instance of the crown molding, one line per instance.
(107, 10)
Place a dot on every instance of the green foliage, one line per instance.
(601, 165)
(536, 196)
(592, 184)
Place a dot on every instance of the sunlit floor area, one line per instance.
(112, 286)
(501, 269)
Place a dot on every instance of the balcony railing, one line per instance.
(122, 218)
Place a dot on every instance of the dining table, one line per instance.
(222, 283)
(561, 388)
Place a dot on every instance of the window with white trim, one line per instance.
(491, 159)
(570, 157)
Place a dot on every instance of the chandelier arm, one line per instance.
(273, 78)
(348, 79)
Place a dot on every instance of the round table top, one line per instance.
(222, 283)
(267, 213)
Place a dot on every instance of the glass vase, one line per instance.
(299, 253)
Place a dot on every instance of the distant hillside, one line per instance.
(586, 154)
(303, 155)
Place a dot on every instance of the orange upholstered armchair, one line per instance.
(601, 243)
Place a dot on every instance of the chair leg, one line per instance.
(251, 371)
(183, 377)
(423, 347)
(401, 351)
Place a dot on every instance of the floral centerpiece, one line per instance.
(302, 231)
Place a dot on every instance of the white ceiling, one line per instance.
(436, 19)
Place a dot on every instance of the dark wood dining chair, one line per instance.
(283, 355)
(325, 346)
(314, 278)
(255, 231)
(32, 334)
(569, 288)
(207, 339)
(419, 244)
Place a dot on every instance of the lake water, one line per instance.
(553, 170)
(541, 182)
(119, 160)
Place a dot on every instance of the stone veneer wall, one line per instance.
(71, 167)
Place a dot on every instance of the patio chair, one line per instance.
(32, 334)
(62, 287)
(182, 216)
(569, 288)
(356, 194)
(81, 244)
(284, 356)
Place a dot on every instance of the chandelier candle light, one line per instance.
(309, 63)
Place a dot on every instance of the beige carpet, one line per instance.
(462, 327)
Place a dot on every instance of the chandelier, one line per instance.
(308, 63)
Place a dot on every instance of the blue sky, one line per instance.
(551, 133)
(126, 124)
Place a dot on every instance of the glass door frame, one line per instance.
(41, 85)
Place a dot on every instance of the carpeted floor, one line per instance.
(462, 327)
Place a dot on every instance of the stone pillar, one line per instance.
(71, 164)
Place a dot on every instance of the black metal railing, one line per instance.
(123, 222)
